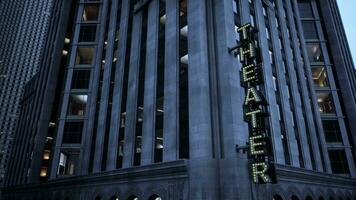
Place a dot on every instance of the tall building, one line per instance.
(23, 26)
(189, 99)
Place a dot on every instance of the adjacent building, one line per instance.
(189, 99)
(23, 26)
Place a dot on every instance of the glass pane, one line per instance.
(72, 132)
(87, 33)
(84, 56)
(332, 131)
(91, 12)
(309, 29)
(305, 9)
(77, 104)
(338, 162)
(319, 76)
(80, 79)
(325, 102)
(67, 163)
(314, 53)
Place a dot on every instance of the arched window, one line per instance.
(309, 198)
(132, 197)
(114, 198)
(155, 197)
(294, 198)
(331, 198)
(98, 198)
(277, 197)
(340, 198)
(321, 198)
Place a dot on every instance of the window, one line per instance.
(67, 162)
(332, 131)
(46, 154)
(309, 29)
(80, 79)
(91, 12)
(325, 102)
(305, 9)
(319, 76)
(43, 172)
(338, 161)
(72, 132)
(84, 56)
(314, 53)
(87, 33)
(77, 104)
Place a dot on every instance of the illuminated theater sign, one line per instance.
(255, 108)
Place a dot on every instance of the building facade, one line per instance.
(163, 99)
(23, 26)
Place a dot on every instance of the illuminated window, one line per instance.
(77, 104)
(80, 79)
(320, 77)
(332, 131)
(43, 172)
(72, 132)
(309, 29)
(314, 53)
(67, 163)
(338, 161)
(91, 12)
(84, 56)
(46, 155)
(325, 102)
(87, 33)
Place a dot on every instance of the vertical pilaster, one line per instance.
(283, 91)
(296, 99)
(105, 91)
(269, 85)
(132, 95)
(118, 87)
(171, 83)
(202, 166)
(149, 111)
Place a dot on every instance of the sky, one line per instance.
(348, 14)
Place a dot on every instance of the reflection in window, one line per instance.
(80, 79)
(314, 53)
(332, 131)
(305, 9)
(72, 132)
(77, 104)
(309, 29)
(319, 76)
(84, 56)
(67, 163)
(338, 161)
(87, 33)
(91, 12)
(325, 102)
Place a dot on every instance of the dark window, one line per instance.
(84, 56)
(314, 53)
(332, 131)
(91, 12)
(325, 102)
(338, 162)
(80, 79)
(309, 29)
(87, 33)
(305, 9)
(320, 77)
(72, 132)
(77, 104)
